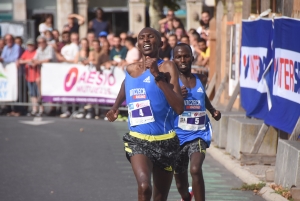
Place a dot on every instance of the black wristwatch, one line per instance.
(160, 76)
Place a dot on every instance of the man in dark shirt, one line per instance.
(73, 25)
(165, 50)
(98, 24)
(118, 52)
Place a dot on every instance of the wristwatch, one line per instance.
(160, 76)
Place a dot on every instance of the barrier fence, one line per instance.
(62, 84)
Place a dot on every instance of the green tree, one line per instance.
(156, 10)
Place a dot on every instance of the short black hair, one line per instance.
(99, 8)
(157, 34)
(183, 45)
(131, 40)
(197, 36)
(202, 40)
(65, 32)
(173, 35)
(185, 36)
(91, 31)
(205, 11)
(20, 38)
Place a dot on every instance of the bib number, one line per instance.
(140, 113)
(192, 121)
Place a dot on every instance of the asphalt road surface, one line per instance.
(83, 160)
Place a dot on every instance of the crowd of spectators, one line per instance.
(100, 48)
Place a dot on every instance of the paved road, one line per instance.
(58, 162)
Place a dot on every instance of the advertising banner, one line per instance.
(285, 82)
(256, 57)
(8, 82)
(79, 83)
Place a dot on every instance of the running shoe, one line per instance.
(191, 193)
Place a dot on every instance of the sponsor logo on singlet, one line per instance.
(192, 104)
(138, 93)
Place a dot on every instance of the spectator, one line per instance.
(170, 29)
(110, 39)
(204, 22)
(19, 41)
(179, 33)
(203, 52)
(102, 37)
(83, 55)
(32, 75)
(74, 21)
(165, 50)
(55, 34)
(133, 54)
(170, 16)
(68, 52)
(95, 54)
(49, 37)
(163, 29)
(123, 37)
(44, 54)
(11, 51)
(2, 44)
(91, 37)
(185, 39)
(118, 52)
(65, 40)
(173, 40)
(104, 55)
(177, 23)
(98, 24)
(194, 39)
(46, 25)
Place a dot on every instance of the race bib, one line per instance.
(140, 113)
(192, 121)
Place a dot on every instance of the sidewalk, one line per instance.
(248, 174)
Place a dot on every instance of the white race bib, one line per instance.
(140, 113)
(192, 121)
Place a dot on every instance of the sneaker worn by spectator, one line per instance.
(65, 114)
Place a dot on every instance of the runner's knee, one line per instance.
(145, 188)
(196, 170)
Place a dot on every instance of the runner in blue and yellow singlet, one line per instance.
(192, 126)
(153, 96)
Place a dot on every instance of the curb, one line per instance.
(266, 192)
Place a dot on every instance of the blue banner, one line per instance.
(285, 82)
(256, 56)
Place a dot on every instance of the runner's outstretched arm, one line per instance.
(113, 113)
(215, 113)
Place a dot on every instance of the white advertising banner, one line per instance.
(62, 82)
(8, 82)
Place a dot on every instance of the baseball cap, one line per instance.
(103, 34)
(30, 41)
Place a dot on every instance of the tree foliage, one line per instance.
(171, 4)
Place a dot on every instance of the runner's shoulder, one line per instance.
(132, 67)
(167, 66)
(203, 78)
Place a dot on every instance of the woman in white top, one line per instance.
(46, 25)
